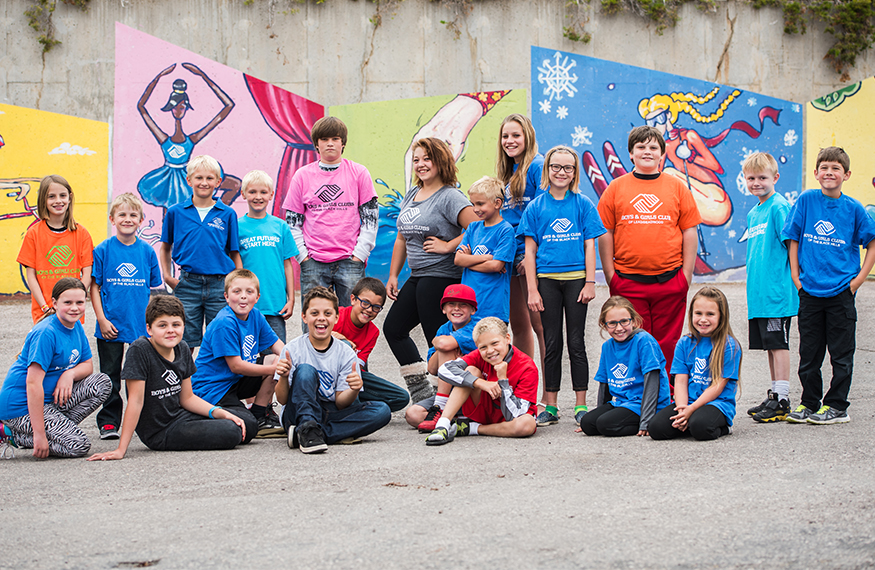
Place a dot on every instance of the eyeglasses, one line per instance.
(568, 168)
(368, 305)
(613, 324)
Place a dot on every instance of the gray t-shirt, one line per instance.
(163, 379)
(437, 216)
(334, 364)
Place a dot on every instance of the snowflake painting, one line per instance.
(708, 128)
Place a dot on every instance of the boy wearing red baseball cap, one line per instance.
(454, 339)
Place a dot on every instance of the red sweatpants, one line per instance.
(663, 307)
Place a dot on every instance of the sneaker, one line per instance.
(760, 407)
(579, 416)
(463, 426)
(311, 439)
(292, 439)
(774, 411)
(7, 443)
(828, 415)
(269, 426)
(545, 418)
(350, 440)
(441, 436)
(799, 415)
(109, 431)
(430, 422)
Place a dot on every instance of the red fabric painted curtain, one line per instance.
(291, 117)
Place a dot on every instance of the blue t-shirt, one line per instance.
(693, 358)
(492, 289)
(511, 211)
(265, 244)
(623, 365)
(201, 247)
(225, 336)
(770, 289)
(560, 227)
(829, 232)
(52, 346)
(125, 273)
(464, 336)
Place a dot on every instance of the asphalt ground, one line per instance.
(776, 495)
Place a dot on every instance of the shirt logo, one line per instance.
(619, 370)
(700, 366)
(645, 203)
(326, 380)
(328, 192)
(248, 345)
(824, 228)
(561, 225)
(480, 250)
(60, 256)
(217, 223)
(127, 269)
(74, 356)
(170, 377)
(409, 216)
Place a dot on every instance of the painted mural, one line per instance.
(709, 129)
(34, 144)
(381, 136)
(172, 104)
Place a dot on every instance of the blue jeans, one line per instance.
(202, 296)
(277, 325)
(340, 276)
(356, 420)
(375, 389)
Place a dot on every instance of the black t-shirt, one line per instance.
(163, 379)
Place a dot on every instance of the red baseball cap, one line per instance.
(461, 294)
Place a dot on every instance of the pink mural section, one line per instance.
(172, 104)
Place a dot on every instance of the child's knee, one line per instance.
(524, 426)
(415, 415)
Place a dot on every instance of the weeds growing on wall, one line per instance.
(39, 17)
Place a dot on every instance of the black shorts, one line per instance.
(248, 386)
(769, 333)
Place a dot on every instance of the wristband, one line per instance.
(211, 411)
(593, 282)
(45, 308)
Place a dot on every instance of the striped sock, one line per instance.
(440, 400)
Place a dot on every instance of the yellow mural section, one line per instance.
(36, 144)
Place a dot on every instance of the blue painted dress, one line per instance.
(166, 185)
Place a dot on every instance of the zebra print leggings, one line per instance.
(62, 422)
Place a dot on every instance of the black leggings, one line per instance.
(418, 303)
(560, 297)
(706, 423)
(610, 421)
(198, 433)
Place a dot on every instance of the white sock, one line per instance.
(782, 388)
(444, 422)
(475, 428)
(440, 400)
(775, 386)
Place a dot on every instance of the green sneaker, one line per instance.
(799, 415)
(828, 415)
(463, 426)
(441, 436)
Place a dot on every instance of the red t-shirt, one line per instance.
(364, 338)
(522, 375)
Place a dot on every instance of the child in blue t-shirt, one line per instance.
(200, 235)
(487, 250)
(229, 368)
(267, 249)
(771, 297)
(125, 268)
(51, 387)
(631, 371)
(825, 231)
(455, 338)
(560, 227)
(705, 385)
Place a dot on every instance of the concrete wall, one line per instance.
(331, 53)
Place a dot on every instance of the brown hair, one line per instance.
(42, 208)
(644, 134)
(442, 158)
(516, 181)
(319, 292)
(831, 154)
(329, 127)
(722, 332)
(164, 306)
(619, 302)
(575, 180)
(371, 284)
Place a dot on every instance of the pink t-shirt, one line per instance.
(329, 202)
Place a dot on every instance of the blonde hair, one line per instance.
(204, 162)
(256, 177)
(489, 325)
(722, 332)
(760, 162)
(575, 180)
(126, 199)
(677, 103)
(489, 187)
(516, 181)
(242, 274)
(619, 302)
(42, 208)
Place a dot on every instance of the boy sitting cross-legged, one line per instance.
(495, 388)
(319, 383)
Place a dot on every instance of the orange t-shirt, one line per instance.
(648, 218)
(54, 256)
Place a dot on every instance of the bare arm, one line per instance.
(35, 402)
(399, 256)
(535, 302)
(153, 127)
(690, 246)
(793, 253)
(107, 329)
(606, 253)
(35, 291)
(868, 262)
(235, 257)
(587, 294)
(344, 399)
(166, 264)
(227, 103)
(136, 390)
(243, 368)
(289, 307)
(85, 277)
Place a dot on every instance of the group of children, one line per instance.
(235, 289)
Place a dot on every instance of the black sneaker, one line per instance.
(774, 411)
(760, 407)
(269, 425)
(109, 431)
(311, 439)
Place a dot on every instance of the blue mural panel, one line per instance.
(591, 105)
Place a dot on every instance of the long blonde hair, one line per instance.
(722, 333)
(516, 181)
